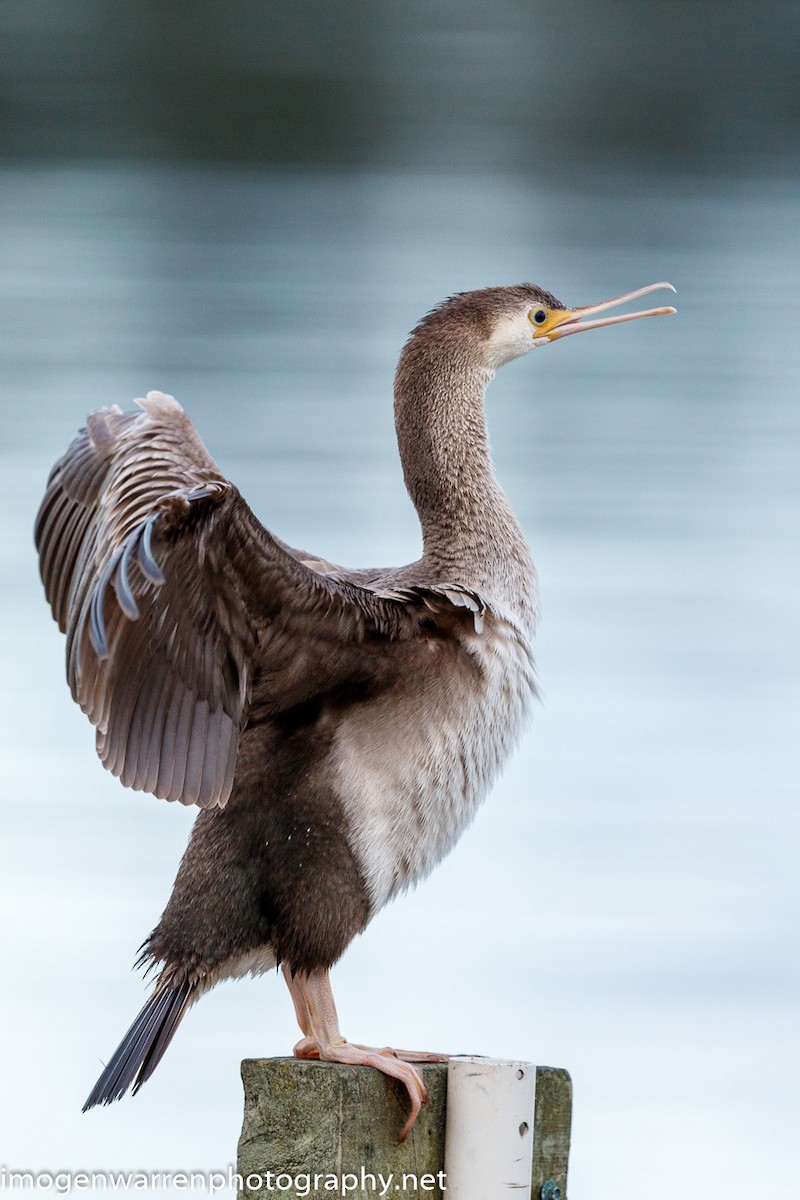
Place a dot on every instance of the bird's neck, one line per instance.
(470, 533)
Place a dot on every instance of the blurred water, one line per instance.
(625, 905)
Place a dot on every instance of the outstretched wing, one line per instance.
(173, 596)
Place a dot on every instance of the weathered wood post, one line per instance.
(323, 1129)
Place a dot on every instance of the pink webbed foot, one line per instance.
(316, 1016)
(306, 1048)
(409, 1056)
(346, 1052)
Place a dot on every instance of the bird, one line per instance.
(337, 729)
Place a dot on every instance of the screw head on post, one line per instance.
(550, 1190)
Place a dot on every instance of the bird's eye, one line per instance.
(539, 316)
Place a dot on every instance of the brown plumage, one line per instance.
(337, 728)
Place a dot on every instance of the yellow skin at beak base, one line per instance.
(563, 321)
(555, 317)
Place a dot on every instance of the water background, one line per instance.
(626, 903)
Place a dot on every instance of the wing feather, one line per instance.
(174, 598)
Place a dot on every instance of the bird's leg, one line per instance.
(306, 1047)
(316, 1015)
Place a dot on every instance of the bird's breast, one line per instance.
(412, 766)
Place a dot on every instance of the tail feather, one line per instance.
(143, 1046)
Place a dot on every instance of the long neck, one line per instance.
(469, 530)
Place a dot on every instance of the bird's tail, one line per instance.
(143, 1046)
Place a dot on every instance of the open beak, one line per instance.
(563, 322)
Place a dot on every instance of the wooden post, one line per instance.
(552, 1123)
(303, 1119)
(313, 1130)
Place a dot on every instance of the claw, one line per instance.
(316, 1016)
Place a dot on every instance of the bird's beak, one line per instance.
(562, 322)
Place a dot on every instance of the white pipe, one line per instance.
(489, 1133)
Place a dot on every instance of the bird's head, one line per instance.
(537, 318)
(499, 324)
